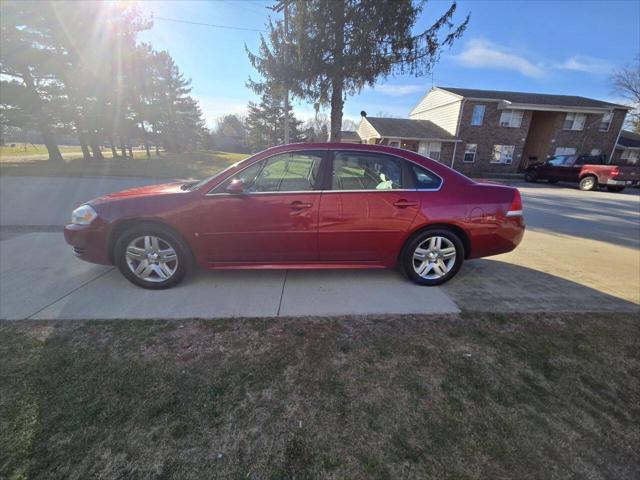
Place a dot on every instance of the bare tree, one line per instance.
(626, 82)
(349, 125)
(316, 129)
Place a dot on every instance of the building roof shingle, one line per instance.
(349, 135)
(409, 128)
(629, 139)
(533, 98)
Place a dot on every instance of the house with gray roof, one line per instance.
(488, 131)
(627, 149)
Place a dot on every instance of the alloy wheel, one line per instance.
(434, 257)
(588, 183)
(151, 258)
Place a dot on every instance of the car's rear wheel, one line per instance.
(588, 183)
(432, 257)
(615, 188)
(531, 176)
(152, 256)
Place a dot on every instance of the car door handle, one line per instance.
(405, 204)
(297, 205)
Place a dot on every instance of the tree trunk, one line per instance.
(146, 144)
(130, 149)
(337, 79)
(123, 149)
(86, 154)
(48, 138)
(95, 147)
(155, 140)
(114, 152)
(336, 110)
(50, 142)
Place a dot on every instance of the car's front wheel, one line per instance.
(432, 257)
(152, 257)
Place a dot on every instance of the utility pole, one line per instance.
(286, 80)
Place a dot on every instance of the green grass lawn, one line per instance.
(460, 397)
(167, 165)
(26, 149)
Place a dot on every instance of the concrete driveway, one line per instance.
(581, 253)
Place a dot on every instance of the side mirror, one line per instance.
(236, 186)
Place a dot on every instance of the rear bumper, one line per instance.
(88, 242)
(499, 238)
(625, 183)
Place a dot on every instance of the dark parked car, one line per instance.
(328, 205)
(589, 172)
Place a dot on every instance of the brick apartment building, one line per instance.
(484, 131)
(627, 150)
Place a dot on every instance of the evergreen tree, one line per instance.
(336, 47)
(30, 64)
(265, 123)
(78, 66)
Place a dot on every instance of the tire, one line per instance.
(531, 176)
(587, 183)
(411, 263)
(159, 274)
(615, 188)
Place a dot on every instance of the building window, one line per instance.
(503, 154)
(430, 149)
(433, 150)
(478, 115)
(470, 153)
(605, 123)
(564, 151)
(595, 152)
(631, 156)
(511, 118)
(574, 121)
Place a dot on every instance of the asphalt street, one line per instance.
(581, 252)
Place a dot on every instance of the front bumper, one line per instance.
(89, 242)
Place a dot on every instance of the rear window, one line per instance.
(424, 179)
(590, 160)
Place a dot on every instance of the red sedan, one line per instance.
(328, 205)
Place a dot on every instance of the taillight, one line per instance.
(615, 171)
(515, 210)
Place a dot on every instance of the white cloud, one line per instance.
(399, 90)
(481, 53)
(484, 54)
(583, 63)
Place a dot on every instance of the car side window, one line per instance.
(287, 172)
(365, 171)
(248, 176)
(424, 179)
(557, 161)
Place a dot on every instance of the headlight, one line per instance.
(83, 215)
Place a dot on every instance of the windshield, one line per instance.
(195, 185)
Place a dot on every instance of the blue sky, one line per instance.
(564, 47)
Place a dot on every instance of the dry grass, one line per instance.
(537, 396)
(184, 165)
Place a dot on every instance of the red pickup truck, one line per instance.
(588, 171)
